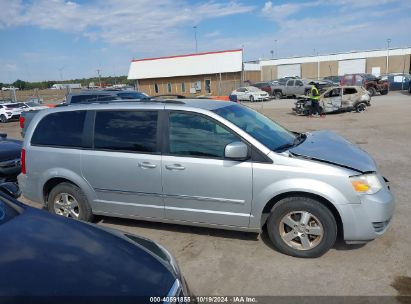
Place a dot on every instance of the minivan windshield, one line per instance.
(263, 129)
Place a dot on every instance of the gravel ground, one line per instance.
(218, 262)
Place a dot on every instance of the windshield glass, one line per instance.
(263, 129)
(32, 104)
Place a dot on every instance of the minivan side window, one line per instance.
(61, 129)
(195, 135)
(126, 131)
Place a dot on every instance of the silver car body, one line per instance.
(208, 192)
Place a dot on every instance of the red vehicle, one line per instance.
(370, 82)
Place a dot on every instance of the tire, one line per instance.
(78, 202)
(318, 217)
(371, 91)
(251, 98)
(278, 95)
(360, 107)
(3, 118)
(384, 92)
(307, 92)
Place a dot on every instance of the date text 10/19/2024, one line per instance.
(204, 299)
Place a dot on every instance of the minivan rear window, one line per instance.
(61, 129)
(128, 131)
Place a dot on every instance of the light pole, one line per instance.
(195, 36)
(388, 54)
(99, 79)
(275, 48)
(272, 54)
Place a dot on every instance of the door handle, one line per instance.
(146, 165)
(175, 167)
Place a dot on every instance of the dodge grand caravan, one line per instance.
(205, 163)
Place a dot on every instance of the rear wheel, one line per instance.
(3, 118)
(278, 95)
(68, 200)
(302, 227)
(252, 98)
(384, 92)
(371, 91)
(361, 107)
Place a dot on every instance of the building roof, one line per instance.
(186, 65)
(338, 56)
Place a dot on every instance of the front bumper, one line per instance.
(371, 218)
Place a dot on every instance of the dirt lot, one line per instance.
(217, 262)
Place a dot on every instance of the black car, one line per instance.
(47, 255)
(10, 158)
(105, 95)
(334, 79)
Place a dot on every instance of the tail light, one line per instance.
(23, 161)
(21, 120)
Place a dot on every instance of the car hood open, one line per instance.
(330, 147)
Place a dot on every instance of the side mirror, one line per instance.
(11, 189)
(236, 151)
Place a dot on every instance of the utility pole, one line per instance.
(195, 36)
(275, 48)
(272, 54)
(99, 77)
(61, 73)
(388, 54)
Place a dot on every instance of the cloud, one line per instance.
(117, 22)
(283, 11)
(212, 34)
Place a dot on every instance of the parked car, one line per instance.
(398, 81)
(9, 111)
(292, 88)
(85, 97)
(334, 79)
(205, 163)
(370, 82)
(267, 86)
(10, 155)
(48, 255)
(336, 99)
(250, 94)
(31, 106)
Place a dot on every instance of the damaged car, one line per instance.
(336, 99)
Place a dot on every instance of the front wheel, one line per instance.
(302, 227)
(278, 95)
(384, 92)
(68, 200)
(361, 107)
(3, 118)
(252, 98)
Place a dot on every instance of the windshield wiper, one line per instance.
(297, 140)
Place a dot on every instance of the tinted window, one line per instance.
(298, 83)
(348, 91)
(132, 95)
(133, 131)
(63, 129)
(82, 98)
(195, 135)
(290, 83)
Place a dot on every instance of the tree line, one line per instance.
(106, 81)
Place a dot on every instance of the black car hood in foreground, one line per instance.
(9, 148)
(330, 147)
(46, 255)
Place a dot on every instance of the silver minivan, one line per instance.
(205, 163)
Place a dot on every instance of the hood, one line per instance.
(87, 261)
(330, 147)
(9, 149)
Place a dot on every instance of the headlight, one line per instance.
(367, 183)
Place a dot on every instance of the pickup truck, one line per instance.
(85, 97)
(292, 88)
(370, 82)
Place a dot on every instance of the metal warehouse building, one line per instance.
(313, 67)
(211, 73)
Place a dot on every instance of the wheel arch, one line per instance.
(51, 183)
(271, 203)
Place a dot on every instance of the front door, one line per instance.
(199, 184)
(124, 166)
(332, 100)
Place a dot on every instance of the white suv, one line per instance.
(9, 111)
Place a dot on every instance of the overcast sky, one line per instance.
(49, 39)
